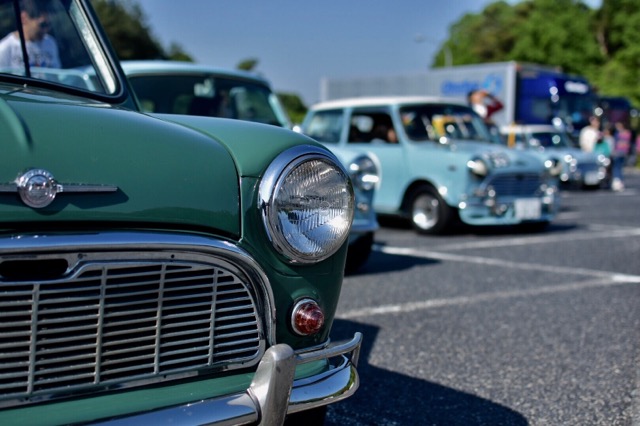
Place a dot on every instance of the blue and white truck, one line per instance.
(530, 93)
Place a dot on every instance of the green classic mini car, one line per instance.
(186, 88)
(157, 269)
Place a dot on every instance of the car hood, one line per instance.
(578, 154)
(482, 149)
(167, 176)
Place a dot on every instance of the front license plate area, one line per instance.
(528, 208)
(591, 178)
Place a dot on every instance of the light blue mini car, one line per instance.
(438, 162)
(186, 88)
(579, 168)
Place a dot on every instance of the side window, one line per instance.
(372, 127)
(325, 126)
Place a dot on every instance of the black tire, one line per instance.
(359, 252)
(314, 417)
(429, 213)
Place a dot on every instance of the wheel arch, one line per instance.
(405, 207)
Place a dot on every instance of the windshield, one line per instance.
(549, 140)
(324, 126)
(432, 122)
(210, 96)
(52, 41)
(575, 109)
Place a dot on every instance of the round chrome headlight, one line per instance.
(364, 173)
(307, 204)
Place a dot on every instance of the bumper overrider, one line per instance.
(273, 392)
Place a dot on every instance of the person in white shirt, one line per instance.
(590, 134)
(42, 49)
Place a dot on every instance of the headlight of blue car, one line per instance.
(307, 204)
(478, 167)
(553, 166)
(364, 173)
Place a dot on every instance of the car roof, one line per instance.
(139, 67)
(384, 101)
(530, 128)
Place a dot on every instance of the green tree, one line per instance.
(293, 105)
(249, 64)
(485, 37)
(558, 32)
(616, 27)
(131, 37)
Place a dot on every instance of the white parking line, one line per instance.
(477, 298)
(613, 276)
(593, 233)
(600, 279)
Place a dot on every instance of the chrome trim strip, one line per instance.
(274, 375)
(38, 188)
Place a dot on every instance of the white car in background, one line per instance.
(579, 168)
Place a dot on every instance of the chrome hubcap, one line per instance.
(425, 211)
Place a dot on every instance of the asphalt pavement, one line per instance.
(501, 326)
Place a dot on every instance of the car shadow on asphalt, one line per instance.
(388, 398)
(380, 262)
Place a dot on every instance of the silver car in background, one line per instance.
(579, 168)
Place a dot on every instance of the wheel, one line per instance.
(313, 417)
(428, 212)
(358, 252)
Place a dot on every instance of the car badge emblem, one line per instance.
(38, 188)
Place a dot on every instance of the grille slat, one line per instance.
(516, 185)
(10, 366)
(138, 318)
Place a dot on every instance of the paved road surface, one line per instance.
(502, 327)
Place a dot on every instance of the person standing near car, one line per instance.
(622, 144)
(603, 147)
(42, 48)
(589, 135)
(484, 104)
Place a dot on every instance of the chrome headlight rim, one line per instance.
(273, 182)
(364, 173)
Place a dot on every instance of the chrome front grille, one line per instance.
(114, 318)
(515, 184)
(588, 167)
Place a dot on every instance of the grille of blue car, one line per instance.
(588, 167)
(515, 185)
(113, 322)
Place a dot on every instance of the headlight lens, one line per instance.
(307, 204)
(553, 166)
(478, 167)
(364, 173)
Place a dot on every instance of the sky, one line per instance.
(297, 43)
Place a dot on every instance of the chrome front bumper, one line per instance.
(273, 392)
